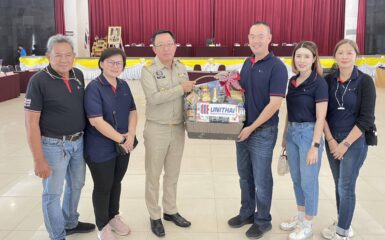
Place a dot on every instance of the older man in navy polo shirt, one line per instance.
(264, 78)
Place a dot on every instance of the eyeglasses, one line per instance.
(164, 45)
(113, 63)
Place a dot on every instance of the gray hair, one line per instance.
(58, 38)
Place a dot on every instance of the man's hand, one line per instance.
(188, 86)
(245, 133)
(42, 169)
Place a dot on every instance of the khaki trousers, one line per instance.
(164, 145)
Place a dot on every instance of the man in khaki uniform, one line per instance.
(164, 84)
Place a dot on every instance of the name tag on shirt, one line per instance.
(159, 75)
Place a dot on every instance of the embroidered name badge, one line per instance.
(159, 75)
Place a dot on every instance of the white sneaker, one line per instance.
(117, 225)
(289, 224)
(106, 233)
(330, 232)
(338, 237)
(301, 232)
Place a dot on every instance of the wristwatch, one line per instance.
(315, 144)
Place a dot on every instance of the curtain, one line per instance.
(361, 23)
(59, 16)
(228, 21)
(290, 21)
(188, 20)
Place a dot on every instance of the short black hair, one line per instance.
(109, 52)
(161, 32)
(264, 24)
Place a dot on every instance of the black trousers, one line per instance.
(107, 178)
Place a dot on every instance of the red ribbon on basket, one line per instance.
(230, 80)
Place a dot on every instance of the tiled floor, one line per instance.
(208, 188)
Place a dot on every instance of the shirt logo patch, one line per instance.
(27, 102)
(159, 75)
(182, 75)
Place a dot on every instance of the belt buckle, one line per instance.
(71, 138)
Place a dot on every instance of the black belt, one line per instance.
(72, 138)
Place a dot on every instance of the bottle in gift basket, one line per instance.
(221, 95)
(215, 96)
(241, 112)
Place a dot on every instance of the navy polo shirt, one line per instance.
(260, 80)
(342, 95)
(101, 101)
(301, 100)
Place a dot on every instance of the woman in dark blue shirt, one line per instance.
(352, 97)
(111, 111)
(307, 100)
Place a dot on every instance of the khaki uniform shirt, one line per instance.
(163, 91)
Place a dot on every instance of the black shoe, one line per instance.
(157, 227)
(177, 219)
(81, 228)
(257, 231)
(237, 221)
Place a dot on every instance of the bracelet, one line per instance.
(330, 139)
(346, 144)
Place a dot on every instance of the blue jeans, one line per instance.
(345, 173)
(67, 163)
(299, 137)
(254, 157)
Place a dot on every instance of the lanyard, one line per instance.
(341, 104)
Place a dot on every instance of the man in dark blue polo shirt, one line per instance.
(264, 78)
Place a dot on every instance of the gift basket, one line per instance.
(215, 107)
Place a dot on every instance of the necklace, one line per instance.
(46, 70)
(341, 104)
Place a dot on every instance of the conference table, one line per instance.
(242, 51)
(282, 51)
(192, 75)
(24, 79)
(9, 87)
(221, 51)
(146, 51)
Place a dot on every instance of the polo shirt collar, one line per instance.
(102, 79)
(354, 75)
(267, 57)
(53, 72)
(160, 65)
(308, 80)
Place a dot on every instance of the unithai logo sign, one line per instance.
(207, 111)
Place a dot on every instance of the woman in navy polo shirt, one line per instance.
(352, 97)
(111, 111)
(307, 100)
